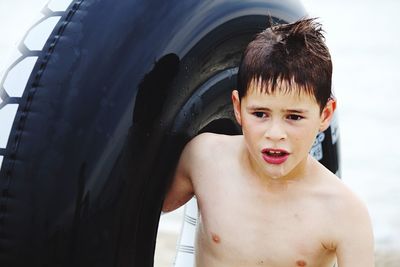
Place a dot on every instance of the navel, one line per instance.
(301, 263)
(216, 238)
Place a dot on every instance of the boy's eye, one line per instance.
(259, 114)
(294, 117)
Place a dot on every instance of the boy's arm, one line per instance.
(181, 188)
(356, 242)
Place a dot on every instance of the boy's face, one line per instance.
(279, 129)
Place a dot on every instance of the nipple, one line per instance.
(216, 238)
(301, 263)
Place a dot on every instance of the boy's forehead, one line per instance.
(279, 100)
(289, 87)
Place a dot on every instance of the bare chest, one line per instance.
(242, 227)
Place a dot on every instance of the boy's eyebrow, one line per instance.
(303, 111)
(261, 108)
(251, 108)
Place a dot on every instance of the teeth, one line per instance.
(275, 153)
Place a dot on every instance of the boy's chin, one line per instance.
(279, 174)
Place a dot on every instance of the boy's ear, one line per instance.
(327, 114)
(236, 106)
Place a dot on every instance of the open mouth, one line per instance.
(275, 156)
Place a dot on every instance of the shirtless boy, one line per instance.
(263, 200)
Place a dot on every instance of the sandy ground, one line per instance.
(390, 258)
(166, 244)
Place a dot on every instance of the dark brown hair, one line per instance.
(289, 53)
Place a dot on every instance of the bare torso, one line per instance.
(245, 221)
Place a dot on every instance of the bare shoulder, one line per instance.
(340, 198)
(213, 139)
(348, 213)
(345, 200)
(197, 166)
(351, 208)
(354, 238)
(210, 144)
(208, 153)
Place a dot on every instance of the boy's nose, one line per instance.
(275, 131)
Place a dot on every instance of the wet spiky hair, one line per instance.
(294, 54)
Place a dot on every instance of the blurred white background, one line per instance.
(16, 16)
(364, 39)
